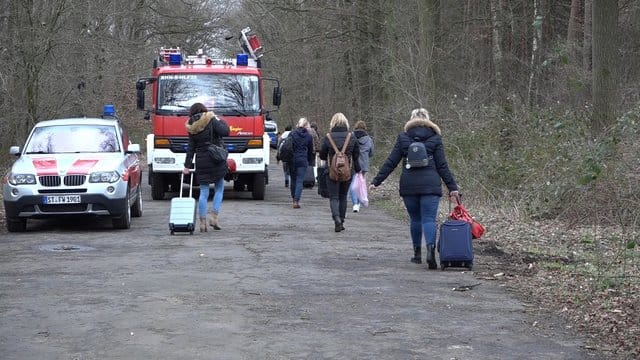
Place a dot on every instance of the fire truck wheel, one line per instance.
(259, 187)
(238, 185)
(157, 187)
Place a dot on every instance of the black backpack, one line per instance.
(285, 149)
(417, 156)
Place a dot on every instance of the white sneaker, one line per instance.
(356, 208)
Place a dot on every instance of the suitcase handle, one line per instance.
(192, 172)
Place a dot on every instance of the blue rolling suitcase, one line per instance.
(455, 245)
(182, 215)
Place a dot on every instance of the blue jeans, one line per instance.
(422, 211)
(204, 198)
(297, 178)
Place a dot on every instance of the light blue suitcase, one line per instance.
(182, 215)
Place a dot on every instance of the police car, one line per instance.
(76, 166)
(271, 128)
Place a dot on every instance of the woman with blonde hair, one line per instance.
(303, 155)
(339, 132)
(420, 187)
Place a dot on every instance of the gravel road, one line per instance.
(275, 283)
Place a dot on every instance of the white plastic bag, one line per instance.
(359, 188)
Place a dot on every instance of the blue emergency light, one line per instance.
(242, 59)
(109, 110)
(175, 59)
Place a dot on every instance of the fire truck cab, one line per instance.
(232, 89)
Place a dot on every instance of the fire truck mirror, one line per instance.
(141, 84)
(277, 96)
(140, 99)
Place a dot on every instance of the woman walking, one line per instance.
(420, 187)
(204, 129)
(365, 144)
(303, 155)
(339, 133)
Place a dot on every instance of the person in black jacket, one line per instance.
(338, 190)
(204, 128)
(420, 188)
(303, 156)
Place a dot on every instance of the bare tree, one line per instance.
(586, 39)
(605, 66)
(496, 17)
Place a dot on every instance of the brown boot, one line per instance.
(213, 221)
(296, 205)
(203, 224)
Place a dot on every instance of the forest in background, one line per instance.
(539, 100)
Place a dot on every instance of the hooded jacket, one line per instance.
(365, 144)
(303, 154)
(419, 181)
(339, 135)
(205, 129)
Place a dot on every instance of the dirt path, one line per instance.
(275, 283)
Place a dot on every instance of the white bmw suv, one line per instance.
(79, 166)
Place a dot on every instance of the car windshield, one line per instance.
(226, 94)
(73, 139)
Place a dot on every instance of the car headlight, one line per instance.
(22, 179)
(104, 177)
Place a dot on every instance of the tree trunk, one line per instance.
(428, 25)
(538, 20)
(572, 30)
(586, 39)
(497, 28)
(605, 66)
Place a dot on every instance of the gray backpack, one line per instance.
(417, 155)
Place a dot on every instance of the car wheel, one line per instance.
(136, 209)
(123, 221)
(16, 224)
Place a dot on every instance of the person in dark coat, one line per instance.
(285, 165)
(303, 155)
(420, 188)
(204, 128)
(339, 128)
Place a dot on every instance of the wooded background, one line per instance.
(539, 100)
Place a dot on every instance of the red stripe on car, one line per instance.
(81, 167)
(45, 166)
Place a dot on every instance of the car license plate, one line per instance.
(62, 199)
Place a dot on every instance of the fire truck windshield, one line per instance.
(226, 94)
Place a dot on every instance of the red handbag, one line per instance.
(460, 213)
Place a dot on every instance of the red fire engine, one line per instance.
(234, 88)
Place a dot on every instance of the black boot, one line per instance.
(338, 224)
(431, 257)
(417, 255)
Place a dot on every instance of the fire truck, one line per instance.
(232, 89)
